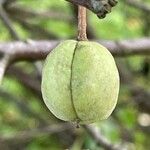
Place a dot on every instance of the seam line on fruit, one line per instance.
(71, 92)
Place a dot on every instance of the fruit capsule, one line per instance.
(80, 81)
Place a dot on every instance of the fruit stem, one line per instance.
(82, 23)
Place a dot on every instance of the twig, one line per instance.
(7, 22)
(10, 27)
(5, 58)
(36, 50)
(4, 61)
(99, 7)
(99, 139)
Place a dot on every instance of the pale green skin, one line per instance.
(80, 81)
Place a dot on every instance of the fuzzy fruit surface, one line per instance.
(80, 81)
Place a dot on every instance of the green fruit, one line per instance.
(80, 81)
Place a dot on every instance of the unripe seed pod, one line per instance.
(80, 81)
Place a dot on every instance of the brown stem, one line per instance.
(82, 23)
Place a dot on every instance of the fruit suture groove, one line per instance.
(71, 90)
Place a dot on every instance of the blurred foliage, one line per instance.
(125, 22)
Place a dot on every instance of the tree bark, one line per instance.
(99, 7)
